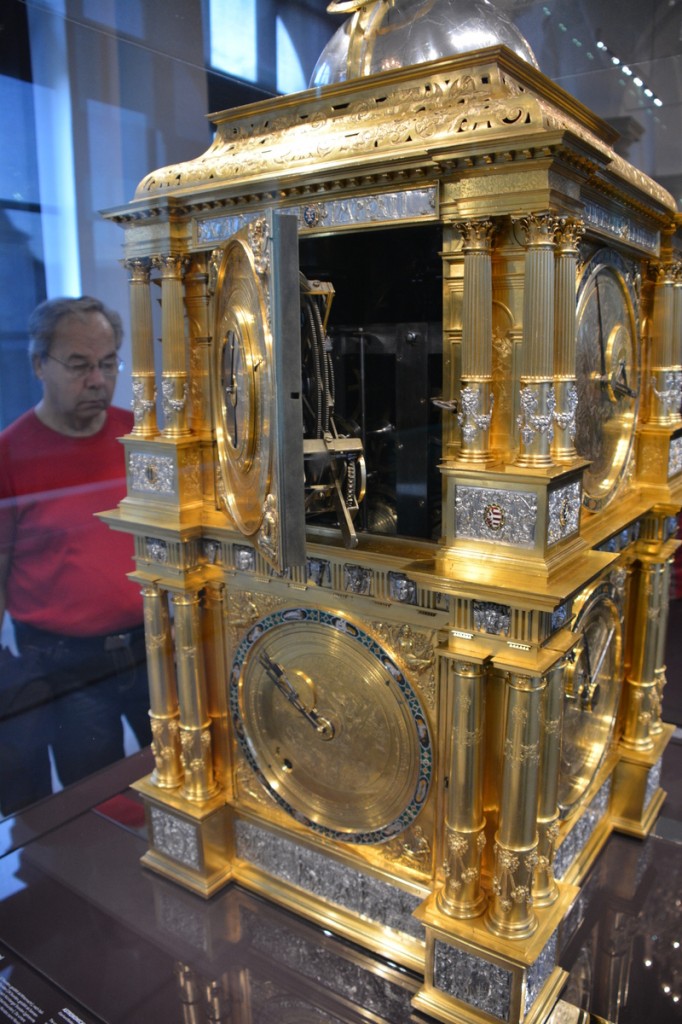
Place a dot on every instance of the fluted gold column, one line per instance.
(142, 344)
(647, 672)
(677, 332)
(664, 373)
(195, 727)
(164, 713)
(537, 399)
(214, 626)
(174, 384)
(545, 889)
(197, 300)
(660, 670)
(476, 399)
(462, 895)
(510, 913)
(568, 234)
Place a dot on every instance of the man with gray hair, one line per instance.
(62, 571)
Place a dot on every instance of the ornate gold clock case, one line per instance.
(410, 541)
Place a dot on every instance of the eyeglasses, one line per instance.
(80, 368)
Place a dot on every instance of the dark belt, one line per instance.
(32, 636)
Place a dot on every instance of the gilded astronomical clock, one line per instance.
(408, 498)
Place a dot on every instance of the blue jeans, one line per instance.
(87, 684)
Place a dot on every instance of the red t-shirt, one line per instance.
(67, 568)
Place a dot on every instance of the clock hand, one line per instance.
(232, 389)
(602, 654)
(278, 676)
(619, 382)
(590, 693)
(602, 353)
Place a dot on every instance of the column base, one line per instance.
(636, 797)
(472, 976)
(188, 843)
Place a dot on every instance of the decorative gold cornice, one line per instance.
(470, 107)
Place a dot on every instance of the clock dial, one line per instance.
(331, 725)
(606, 377)
(591, 694)
(242, 387)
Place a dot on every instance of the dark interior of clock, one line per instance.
(381, 361)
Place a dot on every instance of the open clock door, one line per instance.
(256, 375)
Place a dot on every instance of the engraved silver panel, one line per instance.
(401, 588)
(577, 838)
(492, 618)
(493, 514)
(357, 579)
(563, 519)
(539, 972)
(620, 227)
(176, 838)
(560, 615)
(153, 474)
(155, 549)
(210, 549)
(471, 979)
(675, 457)
(312, 871)
(319, 572)
(244, 558)
(653, 782)
(219, 229)
(387, 207)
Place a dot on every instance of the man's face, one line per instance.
(75, 404)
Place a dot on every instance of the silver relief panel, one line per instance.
(563, 518)
(155, 549)
(472, 980)
(539, 972)
(621, 228)
(336, 883)
(675, 456)
(492, 618)
(175, 838)
(577, 838)
(385, 208)
(496, 515)
(153, 474)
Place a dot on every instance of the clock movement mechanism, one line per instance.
(411, 505)
(334, 461)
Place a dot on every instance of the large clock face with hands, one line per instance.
(331, 725)
(607, 376)
(592, 688)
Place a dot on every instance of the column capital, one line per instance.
(476, 235)
(171, 265)
(539, 229)
(139, 268)
(568, 232)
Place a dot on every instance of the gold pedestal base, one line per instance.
(472, 977)
(188, 842)
(636, 797)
